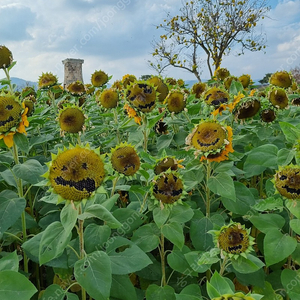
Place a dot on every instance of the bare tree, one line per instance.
(210, 26)
(296, 74)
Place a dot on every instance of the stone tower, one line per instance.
(73, 70)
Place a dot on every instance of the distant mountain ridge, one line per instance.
(21, 83)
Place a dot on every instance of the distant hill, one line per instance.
(21, 83)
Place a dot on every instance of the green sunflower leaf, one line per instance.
(68, 216)
(10, 262)
(125, 256)
(31, 171)
(100, 212)
(291, 132)
(278, 246)
(21, 141)
(174, 233)
(266, 222)
(93, 273)
(222, 184)
(290, 281)
(121, 283)
(247, 265)
(155, 292)
(11, 209)
(15, 286)
(219, 285)
(54, 240)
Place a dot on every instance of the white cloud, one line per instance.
(115, 36)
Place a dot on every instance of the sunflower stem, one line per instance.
(23, 216)
(208, 171)
(9, 80)
(115, 181)
(162, 258)
(223, 266)
(116, 122)
(145, 132)
(81, 246)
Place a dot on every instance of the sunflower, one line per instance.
(228, 80)
(180, 82)
(278, 98)
(245, 80)
(29, 104)
(76, 88)
(161, 88)
(281, 79)
(247, 108)
(13, 118)
(296, 101)
(99, 78)
(71, 119)
(76, 173)
(176, 101)
(223, 154)
(124, 159)
(6, 57)
(28, 91)
(171, 81)
(268, 115)
(142, 96)
(57, 90)
(233, 240)
(161, 127)
(89, 88)
(167, 163)
(198, 89)
(108, 98)
(287, 181)
(47, 80)
(216, 96)
(236, 296)
(131, 112)
(127, 80)
(222, 73)
(230, 106)
(209, 137)
(167, 188)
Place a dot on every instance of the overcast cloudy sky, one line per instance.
(115, 36)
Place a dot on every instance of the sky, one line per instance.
(116, 36)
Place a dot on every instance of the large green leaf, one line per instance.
(290, 281)
(278, 246)
(181, 213)
(21, 141)
(244, 200)
(95, 237)
(30, 171)
(10, 209)
(53, 290)
(291, 132)
(68, 217)
(222, 184)
(10, 262)
(174, 233)
(190, 292)
(122, 288)
(100, 212)
(93, 273)
(247, 265)
(160, 216)
(54, 240)
(200, 237)
(125, 256)
(219, 285)
(264, 156)
(146, 237)
(155, 292)
(14, 285)
(266, 222)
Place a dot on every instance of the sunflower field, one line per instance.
(135, 189)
